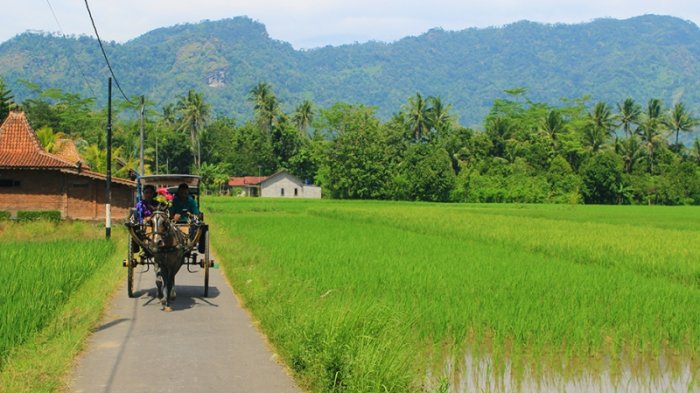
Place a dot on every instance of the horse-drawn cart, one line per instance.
(165, 243)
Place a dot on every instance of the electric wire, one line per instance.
(105, 54)
(60, 28)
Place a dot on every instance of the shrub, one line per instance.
(4, 215)
(34, 215)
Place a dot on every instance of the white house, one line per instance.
(280, 185)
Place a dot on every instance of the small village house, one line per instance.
(33, 179)
(280, 185)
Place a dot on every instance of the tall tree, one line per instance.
(552, 126)
(628, 114)
(194, 113)
(303, 116)
(418, 117)
(631, 152)
(679, 119)
(439, 116)
(651, 128)
(265, 105)
(599, 126)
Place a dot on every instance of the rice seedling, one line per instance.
(368, 296)
(38, 276)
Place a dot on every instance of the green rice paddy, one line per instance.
(382, 296)
(41, 265)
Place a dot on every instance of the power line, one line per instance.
(60, 28)
(105, 54)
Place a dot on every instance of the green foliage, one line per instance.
(5, 100)
(34, 215)
(601, 174)
(4, 215)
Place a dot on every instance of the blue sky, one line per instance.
(313, 23)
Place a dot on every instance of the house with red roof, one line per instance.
(33, 179)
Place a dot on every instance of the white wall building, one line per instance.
(280, 185)
(285, 185)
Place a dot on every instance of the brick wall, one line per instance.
(76, 197)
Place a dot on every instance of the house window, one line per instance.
(9, 183)
(281, 191)
(296, 192)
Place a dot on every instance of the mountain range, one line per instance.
(643, 57)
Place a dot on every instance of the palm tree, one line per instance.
(303, 116)
(628, 114)
(631, 152)
(418, 117)
(553, 125)
(265, 105)
(650, 129)
(680, 120)
(50, 141)
(439, 115)
(194, 112)
(599, 125)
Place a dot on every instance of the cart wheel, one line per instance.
(130, 268)
(207, 259)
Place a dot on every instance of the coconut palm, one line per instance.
(50, 141)
(303, 115)
(680, 119)
(418, 117)
(265, 105)
(193, 116)
(600, 123)
(439, 115)
(651, 128)
(628, 114)
(631, 151)
(553, 125)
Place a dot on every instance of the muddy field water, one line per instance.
(479, 374)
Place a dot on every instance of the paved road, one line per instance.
(203, 345)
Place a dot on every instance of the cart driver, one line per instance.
(183, 204)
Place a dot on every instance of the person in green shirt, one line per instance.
(183, 204)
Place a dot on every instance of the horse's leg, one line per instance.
(173, 295)
(167, 285)
(159, 281)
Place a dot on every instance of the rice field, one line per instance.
(41, 266)
(382, 296)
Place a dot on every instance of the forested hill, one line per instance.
(643, 57)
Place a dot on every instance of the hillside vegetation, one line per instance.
(642, 57)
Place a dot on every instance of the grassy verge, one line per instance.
(43, 360)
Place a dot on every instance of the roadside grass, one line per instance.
(54, 280)
(368, 296)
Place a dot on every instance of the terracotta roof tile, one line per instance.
(20, 148)
(245, 181)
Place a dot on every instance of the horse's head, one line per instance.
(162, 233)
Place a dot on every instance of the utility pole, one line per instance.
(141, 152)
(108, 191)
